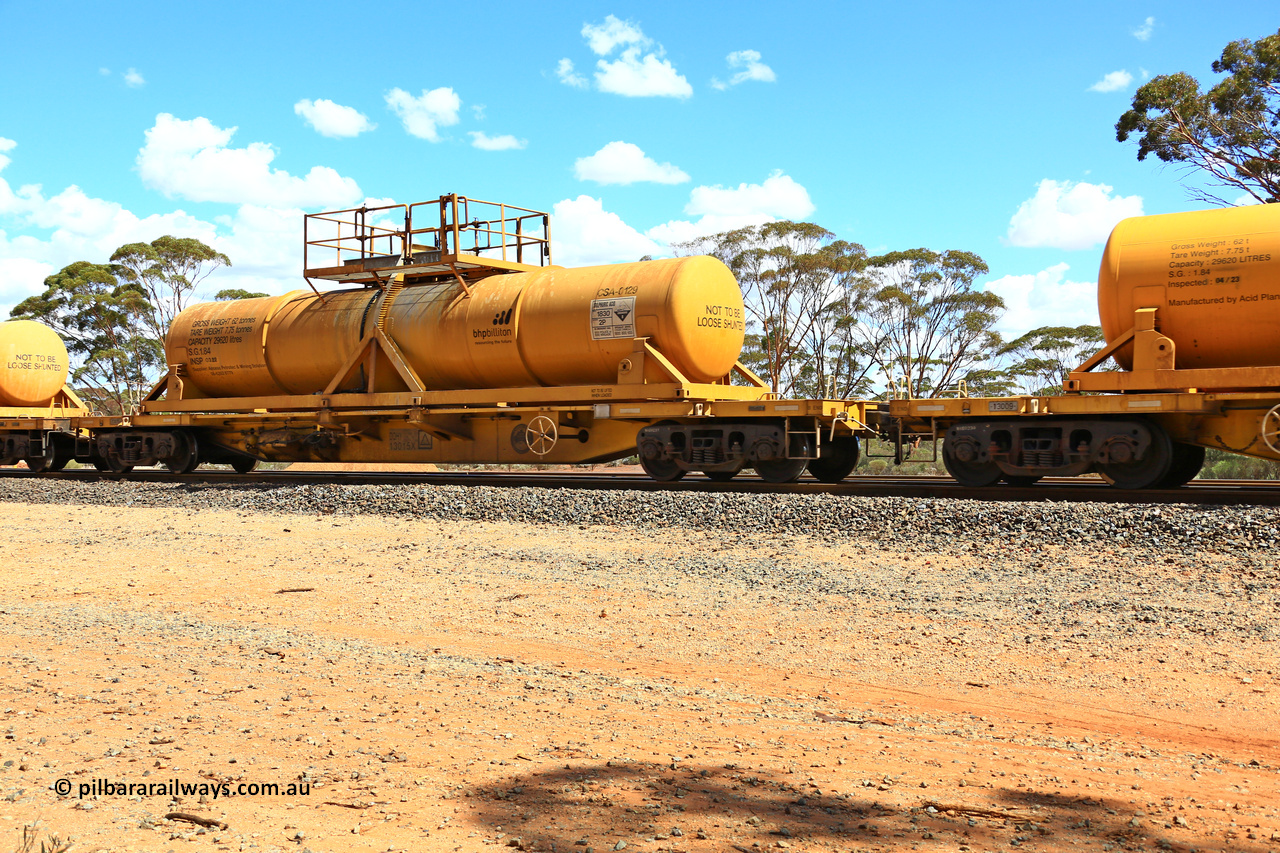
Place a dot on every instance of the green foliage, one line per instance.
(1230, 131)
(922, 321)
(1042, 358)
(232, 293)
(168, 270)
(102, 317)
(1224, 465)
(113, 317)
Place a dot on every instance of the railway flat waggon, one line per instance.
(1190, 310)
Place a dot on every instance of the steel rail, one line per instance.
(1084, 489)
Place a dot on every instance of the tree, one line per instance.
(168, 270)
(232, 293)
(102, 314)
(923, 322)
(1043, 357)
(1231, 131)
(795, 285)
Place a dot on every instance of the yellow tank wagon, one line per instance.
(1190, 310)
(36, 404)
(457, 341)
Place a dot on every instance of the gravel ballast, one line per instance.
(943, 524)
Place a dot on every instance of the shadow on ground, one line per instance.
(653, 807)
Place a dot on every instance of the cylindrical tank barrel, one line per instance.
(550, 327)
(1213, 275)
(33, 363)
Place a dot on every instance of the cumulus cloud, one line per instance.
(424, 115)
(1143, 32)
(1066, 215)
(585, 233)
(636, 72)
(1113, 82)
(603, 38)
(637, 76)
(1045, 298)
(331, 119)
(133, 79)
(751, 68)
(569, 77)
(505, 142)
(624, 163)
(193, 159)
(47, 232)
(725, 208)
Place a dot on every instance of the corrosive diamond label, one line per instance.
(613, 318)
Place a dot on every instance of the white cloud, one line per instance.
(1066, 215)
(133, 79)
(603, 38)
(192, 159)
(1113, 82)
(723, 209)
(505, 142)
(477, 110)
(634, 73)
(641, 77)
(1046, 298)
(104, 71)
(624, 163)
(331, 119)
(1143, 32)
(423, 115)
(564, 70)
(54, 230)
(585, 234)
(751, 69)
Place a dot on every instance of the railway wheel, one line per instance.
(1021, 480)
(1188, 459)
(975, 474)
(1147, 473)
(662, 470)
(721, 476)
(837, 461)
(243, 464)
(111, 466)
(781, 470)
(186, 453)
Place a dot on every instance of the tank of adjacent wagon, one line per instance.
(33, 363)
(1214, 275)
(551, 327)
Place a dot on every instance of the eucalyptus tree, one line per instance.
(1231, 132)
(924, 322)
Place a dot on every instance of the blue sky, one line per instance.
(981, 127)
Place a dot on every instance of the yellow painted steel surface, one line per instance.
(1214, 275)
(546, 328)
(223, 345)
(33, 363)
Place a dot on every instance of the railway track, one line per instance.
(1087, 489)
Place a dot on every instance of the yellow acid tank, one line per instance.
(555, 326)
(33, 363)
(1214, 275)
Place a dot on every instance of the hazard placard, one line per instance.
(613, 318)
